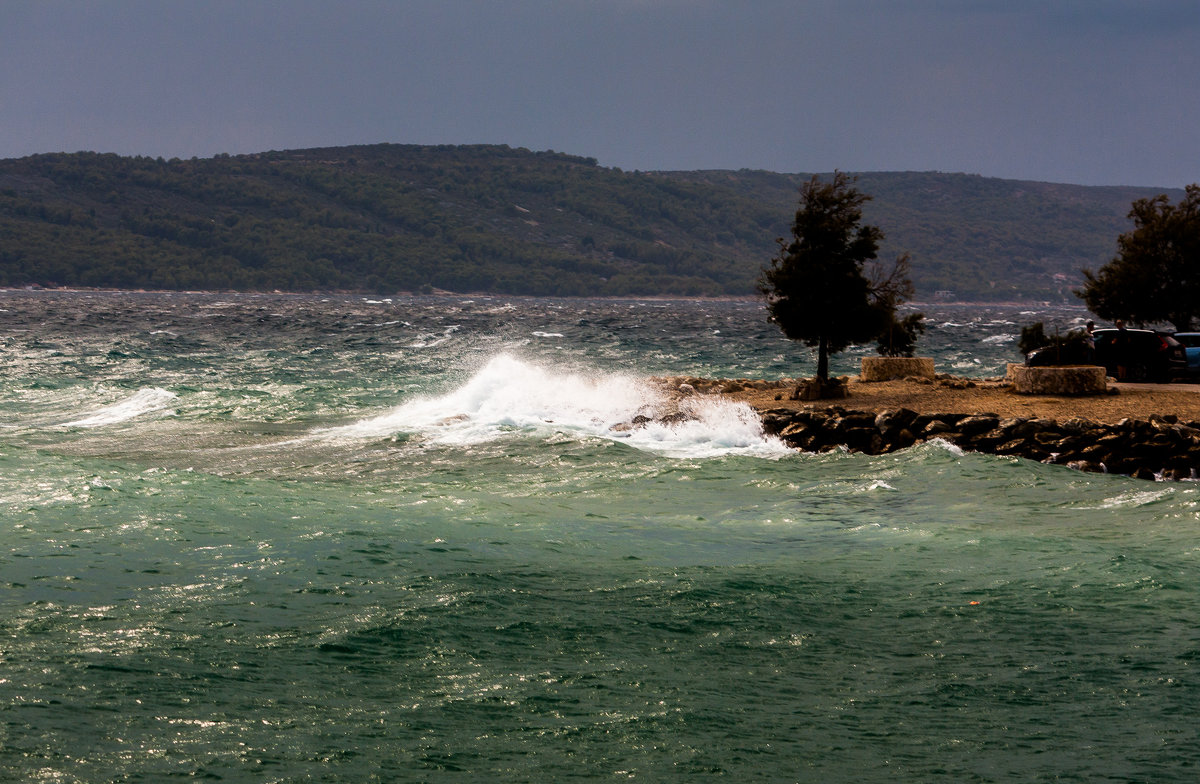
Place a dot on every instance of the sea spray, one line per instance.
(709, 427)
(512, 395)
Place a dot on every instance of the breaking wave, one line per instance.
(510, 395)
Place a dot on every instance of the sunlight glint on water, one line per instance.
(304, 538)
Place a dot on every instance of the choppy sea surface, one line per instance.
(279, 538)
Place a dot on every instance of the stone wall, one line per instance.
(1160, 447)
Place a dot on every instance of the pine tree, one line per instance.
(815, 288)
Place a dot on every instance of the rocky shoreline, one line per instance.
(1156, 446)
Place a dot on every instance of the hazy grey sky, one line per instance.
(1097, 92)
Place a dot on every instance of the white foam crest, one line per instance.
(144, 401)
(716, 427)
(943, 444)
(1133, 498)
(429, 340)
(509, 394)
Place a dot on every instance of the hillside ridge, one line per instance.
(385, 218)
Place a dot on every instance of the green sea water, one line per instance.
(333, 539)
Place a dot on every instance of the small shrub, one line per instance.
(899, 338)
(1071, 346)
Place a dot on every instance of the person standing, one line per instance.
(1121, 350)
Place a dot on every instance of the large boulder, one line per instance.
(813, 389)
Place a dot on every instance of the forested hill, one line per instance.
(388, 218)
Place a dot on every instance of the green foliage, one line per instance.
(814, 288)
(1155, 276)
(890, 289)
(390, 218)
(382, 218)
(899, 337)
(978, 239)
(1033, 337)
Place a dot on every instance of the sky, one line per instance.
(1089, 92)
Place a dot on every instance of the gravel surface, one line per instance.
(1134, 401)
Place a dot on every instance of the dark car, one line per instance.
(1147, 355)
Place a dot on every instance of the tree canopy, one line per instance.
(1155, 276)
(815, 288)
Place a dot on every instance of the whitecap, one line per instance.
(877, 484)
(144, 401)
(509, 395)
(1133, 498)
(998, 339)
(430, 340)
(941, 443)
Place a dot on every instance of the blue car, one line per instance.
(1191, 346)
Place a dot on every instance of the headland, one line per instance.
(1148, 431)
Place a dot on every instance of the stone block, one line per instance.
(888, 368)
(1066, 381)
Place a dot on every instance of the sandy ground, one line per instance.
(1135, 401)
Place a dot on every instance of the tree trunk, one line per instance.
(823, 361)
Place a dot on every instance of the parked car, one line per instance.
(1151, 356)
(1191, 347)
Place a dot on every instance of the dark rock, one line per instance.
(987, 442)
(853, 420)
(935, 427)
(900, 439)
(1078, 426)
(1092, 452)
(1047, 437)
(863, 439)
(1159, 446)
(895, 420)
(979, 423)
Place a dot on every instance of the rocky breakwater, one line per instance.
(1161, 447)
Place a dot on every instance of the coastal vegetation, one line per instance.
(1155, 276)
(1033, 336)
(387, 218)
(815, 288)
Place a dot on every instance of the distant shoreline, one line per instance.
(452, 294)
